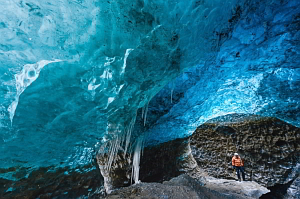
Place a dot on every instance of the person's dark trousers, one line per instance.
(238, 170)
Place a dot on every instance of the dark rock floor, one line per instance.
(187, 187)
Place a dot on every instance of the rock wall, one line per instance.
(269, 147)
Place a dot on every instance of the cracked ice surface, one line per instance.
(116, 56)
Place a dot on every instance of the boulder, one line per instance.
(249, 189)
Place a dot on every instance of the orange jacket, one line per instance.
(237, 161)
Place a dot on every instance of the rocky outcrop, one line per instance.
(283, 191)
(269, 147)
(119, 173)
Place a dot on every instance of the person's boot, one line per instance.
(239, 177)
(243, 175)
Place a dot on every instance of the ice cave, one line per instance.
(149, 98)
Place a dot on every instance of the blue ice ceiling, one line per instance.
(75, 73)
(256, 71)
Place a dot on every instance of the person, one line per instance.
(238, 165)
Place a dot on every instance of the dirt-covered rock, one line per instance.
(269, 147)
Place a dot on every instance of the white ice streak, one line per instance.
(92, 86)
(128, 51)
(143, 110)
(107, 74)
(29, 74)
(110, 100)
(109, 61)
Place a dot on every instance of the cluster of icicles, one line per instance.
(121, 142)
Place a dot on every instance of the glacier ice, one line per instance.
(256, 71)
(118, 55)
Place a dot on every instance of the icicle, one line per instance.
(127, 140)
(114, 144)
(115, 140)
(145, 117)
(143, 109)
(136, 161)
(113, 151)
(129, 132)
